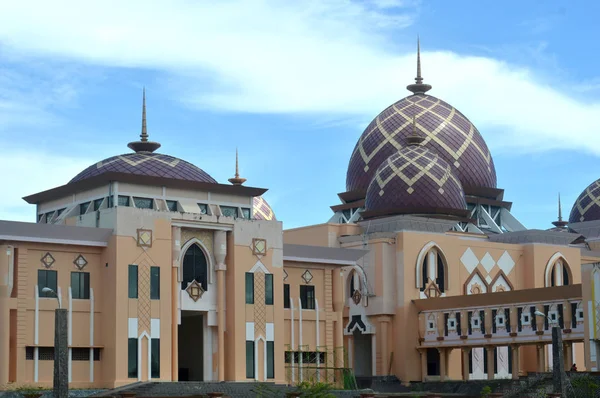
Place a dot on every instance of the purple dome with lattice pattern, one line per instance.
(445, 130)
(147, 164)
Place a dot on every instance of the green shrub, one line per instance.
(486, 391)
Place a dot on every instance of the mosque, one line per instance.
(422, 271)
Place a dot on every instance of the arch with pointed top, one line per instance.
(209, 260)
(556, 257)
(421, 259)
(356, 270)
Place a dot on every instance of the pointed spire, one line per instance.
(144, 135)
(560, 223)
(414, 138)
(144, 145)
(237, 180)
(418, 87)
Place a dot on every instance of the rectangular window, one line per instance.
(249, 359)
(172, 205)
(203, 208)
(143, 203)
(97, 204)
(109, 201)
(270, 360)
(269, 289)
(60, 211)
(49, 217)
(286, 295)
(249, 288)
(84, 207)
(123, 201)
(132, 358)
(133, 281)
(247, 213)
(307, 297)
(47, 278)
(229, 211)
(155, 283)
(155, 361)
(80, 285)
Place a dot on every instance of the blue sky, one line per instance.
(292, 85)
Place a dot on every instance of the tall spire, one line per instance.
(144, 135)
(414, 138)
(237, 180)
(144, 145)
(418, 87)
(560, 223)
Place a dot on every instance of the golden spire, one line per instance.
(418, 87)
(237, 180)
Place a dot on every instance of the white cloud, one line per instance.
(28, 171)
(336, 57)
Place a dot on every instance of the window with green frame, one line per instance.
(229, 211)
(123, 201)
(249, 288)
(269, 289)
(286, 295)
(133, 281)
(249, 359)
(247, 213)
(172, 205)
(155, 283)
(155, 360)
(270, 360)
(132, 358)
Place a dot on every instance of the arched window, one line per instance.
(353, 283)
(433, 268)
(558, 272)
(195, 267)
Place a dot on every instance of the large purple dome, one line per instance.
(147, 164)
(415, 180)
(446, 131)
(587, 205)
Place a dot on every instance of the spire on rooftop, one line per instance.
(414, 138)
(560, 223)
(144, 145)
(419, 87)
(237, 180)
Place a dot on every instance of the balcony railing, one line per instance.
(501, 325)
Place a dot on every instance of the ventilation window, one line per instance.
(123, 201)
(143, 203)
(203, 208)
(80, 354)
(84, 207)
(246, 213)
(172, 205)
(230, 211)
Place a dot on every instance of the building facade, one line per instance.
(169, 275)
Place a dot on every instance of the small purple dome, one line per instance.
(587, 205)
(261, 209)
(415, 178)
(147, 164)
(446, 131)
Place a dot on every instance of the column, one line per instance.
(176, 288)
(385, 354)
(466, 352)
(541, 358)
(220, 248)
(515, 360)
(443, 370)
(423, 354)
(568, 353)
(4, 335)
(490, 362)
(338, 307)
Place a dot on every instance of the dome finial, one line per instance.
(418, 87)
(237, 180)
(144, 145)
(560, 223)
(414, 138)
